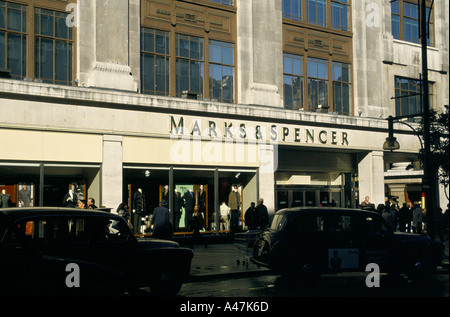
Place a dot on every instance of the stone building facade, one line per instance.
(288, 100)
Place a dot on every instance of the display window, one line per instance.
(184, 188)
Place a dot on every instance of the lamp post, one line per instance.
(429, 181)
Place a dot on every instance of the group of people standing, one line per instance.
(408, 218)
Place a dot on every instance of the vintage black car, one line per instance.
(43, 249)
(308, 242)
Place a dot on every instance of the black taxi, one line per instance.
(46, 250)
(314, 241)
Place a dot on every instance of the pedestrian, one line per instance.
(389, 218)
(380, 208)
(409, 219)
(417, 219)
(160, 222)
(366, 204)
(91, 203)
(403, 217)
(442, 224)
(250, 217)
(81, 204)
(224, 216)
(394, 212)
(262, 214)
(122, 210)
(197, 224)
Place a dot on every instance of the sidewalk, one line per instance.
(218, 260)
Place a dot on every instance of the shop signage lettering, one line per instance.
(242, 131)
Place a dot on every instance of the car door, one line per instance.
(340, 250)
(375, 240)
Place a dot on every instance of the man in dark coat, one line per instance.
(161, 222)
(189, 203)
(262, 214)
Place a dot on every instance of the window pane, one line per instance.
(46, 25)
(14, 20)
(227, 54)
(183, 46)
(149, 73)
(2, 15)
(227, 84)
(2, 50)
(182, 69)
(161, 43)
(161, 75)
(46, 59)
(149, 42)
(61, 27)
(61, 63)
(215, 75)
(14, 53)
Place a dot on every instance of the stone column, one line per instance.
(260, 52)
(268, 157)
(371, 177)
(112, 171)
(108, 44)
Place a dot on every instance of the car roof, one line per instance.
(16, 214)
(322, 210)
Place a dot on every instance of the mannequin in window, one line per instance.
(202, 201)
(165, 194)
(177, 204)
(189, 203)
(24, 197)
(233, 203)
(4, 199)
(70, 199)
(139, 208)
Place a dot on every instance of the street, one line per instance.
(340, 285)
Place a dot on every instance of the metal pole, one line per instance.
(429, 179)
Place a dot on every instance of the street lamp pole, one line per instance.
(429, 180)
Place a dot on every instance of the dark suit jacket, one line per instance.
(189, 201)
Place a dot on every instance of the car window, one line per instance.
(371, 226)
(105, 230)
(62, 230)
(52, 229)
(278, 222)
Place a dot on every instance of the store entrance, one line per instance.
(309, 197)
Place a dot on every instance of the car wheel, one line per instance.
(167, 285)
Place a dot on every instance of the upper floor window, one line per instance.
(154, 62)
(43, 52)
(316, 12)
(293, 81)
(227, 2)
(405, 21)
(408, 96)
(317, 83)
(189, 64)
(53, 47)
(221, 71)
(13, 39)
(307, 85)
(292, 9)
(342, 88)
(340, 14)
